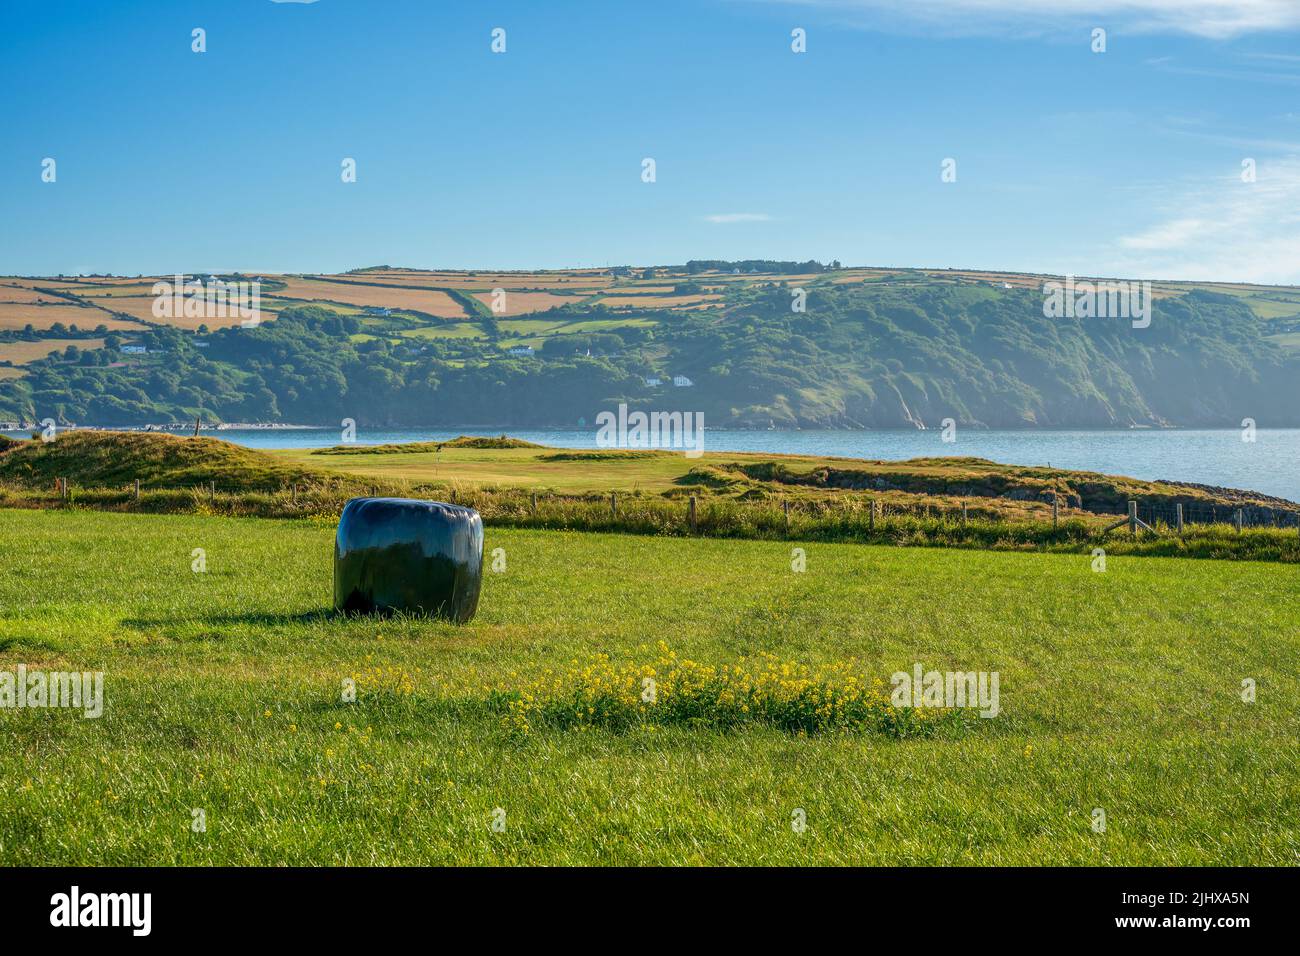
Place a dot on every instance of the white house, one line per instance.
(681, 381)
(134, 349)
(653, 382)
(521, 350)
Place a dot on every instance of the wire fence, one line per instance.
(681, 511)
(1247, 516)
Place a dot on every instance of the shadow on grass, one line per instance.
(259, 619)
(323, 615)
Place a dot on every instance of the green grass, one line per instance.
(1118, 690)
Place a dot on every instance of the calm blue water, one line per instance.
(1271, 464)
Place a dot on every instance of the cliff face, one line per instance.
(913, 359)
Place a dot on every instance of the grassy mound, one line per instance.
(110, 459)
(502, 441)
(981, 478)
(707, 476)
(420, 447)
(613, 454)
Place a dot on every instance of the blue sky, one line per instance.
(1124, 163)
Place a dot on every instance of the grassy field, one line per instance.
(1119, 690)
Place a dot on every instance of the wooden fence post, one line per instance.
(613, 505)
(1178, 517)
(871, 521)
(1236, 519)
(692, 514)
(534, 502)
(137, 489)
(295, 496)
(965, 518)
(1132, 520)
(1054, 512)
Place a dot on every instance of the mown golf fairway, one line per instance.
(1119, 690)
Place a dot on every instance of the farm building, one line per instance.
(681, 381)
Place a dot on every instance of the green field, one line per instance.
(1119, 690)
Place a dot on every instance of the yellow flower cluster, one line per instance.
(394, 681)
(683, 692)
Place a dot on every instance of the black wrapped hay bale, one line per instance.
(400, 554)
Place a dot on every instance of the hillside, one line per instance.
(116, 459)
(871, 349)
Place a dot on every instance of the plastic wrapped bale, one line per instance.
(400, 554)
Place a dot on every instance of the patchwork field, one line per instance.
(1117, 691)
(431, 302)
(20, 353)
(20, 295)
(101, 291)
(42, 317)
(521, 303)
(421, 299)
(141, 308)
(473, 281)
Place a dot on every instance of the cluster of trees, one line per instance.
(56, 330)
(858, 356)
(759, 265)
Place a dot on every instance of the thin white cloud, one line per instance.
(1217, 19)
(1169, 235)
(724, 217)
(1223, 229)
